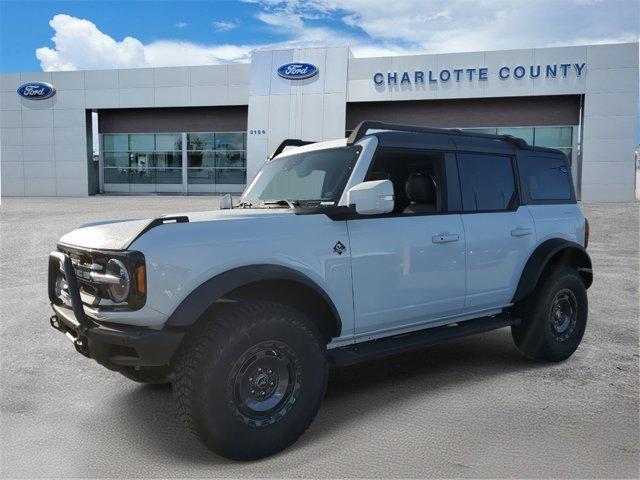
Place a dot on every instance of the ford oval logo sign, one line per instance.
(36, 90)
(297, 70)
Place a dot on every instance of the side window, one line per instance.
(418, 178)
(487, 182)
(545, 178)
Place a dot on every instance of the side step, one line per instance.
(359, 352)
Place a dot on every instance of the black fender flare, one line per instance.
(205, 295)
(541, 257)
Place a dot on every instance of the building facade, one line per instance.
(207, 129)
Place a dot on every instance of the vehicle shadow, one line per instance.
(375, 386)
(149, 413)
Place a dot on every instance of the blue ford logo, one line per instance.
(297, 70)
(36, 90)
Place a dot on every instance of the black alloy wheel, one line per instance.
(563, 314)
(264, 383)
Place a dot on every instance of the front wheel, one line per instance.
(554, 318)
(250, 380)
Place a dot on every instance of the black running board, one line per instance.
(382, 347)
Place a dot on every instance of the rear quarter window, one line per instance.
(545, 178)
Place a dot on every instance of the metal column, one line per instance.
(185, 177)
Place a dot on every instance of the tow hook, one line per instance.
(80, 343)
(55, 323)
(81, 346)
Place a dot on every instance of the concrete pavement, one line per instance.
(468, 408)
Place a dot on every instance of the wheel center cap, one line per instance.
(262, 380)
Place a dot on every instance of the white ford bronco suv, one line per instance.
(337, 252)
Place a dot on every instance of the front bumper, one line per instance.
(113, 345)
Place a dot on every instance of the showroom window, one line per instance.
(142, 158)
(154, 161)
(217, 158)
(553, 137)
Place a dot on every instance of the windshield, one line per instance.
(318, 176)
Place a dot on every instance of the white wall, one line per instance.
(363, 89)
(43, 143)
(310, 109)
(609, 84)
(610, 123)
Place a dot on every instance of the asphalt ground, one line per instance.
(468, 408)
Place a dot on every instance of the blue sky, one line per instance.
(96, 34)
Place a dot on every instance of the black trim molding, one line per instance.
(198, 301)
(540, 258)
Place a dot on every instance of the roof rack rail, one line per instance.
(518, 142)
(363, 128)
(289, 142)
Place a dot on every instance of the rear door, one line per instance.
(500, 233)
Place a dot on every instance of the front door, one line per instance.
(408, 267)
(406, 270)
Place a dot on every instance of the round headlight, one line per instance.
(119, 292)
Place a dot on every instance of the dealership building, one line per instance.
(207, 129)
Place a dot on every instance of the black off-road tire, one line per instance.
(554, 317)
(216, 378)
(149, 375)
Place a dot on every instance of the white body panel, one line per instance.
(180, 257)
(400, 276)
(558, 221)
(114, 235)
(498, 246)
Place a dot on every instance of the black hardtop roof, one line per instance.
(471, 140)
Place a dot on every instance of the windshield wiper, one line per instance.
(245, 205)
(288, 203)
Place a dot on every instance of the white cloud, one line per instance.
(370, 27)
(225, 25)
(282, 19)
(181, 24)
(301, 33)
(166, 53)
(79, 44)
(437, 26)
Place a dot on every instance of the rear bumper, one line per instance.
(112, 345)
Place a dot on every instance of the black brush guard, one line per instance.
(113, 345)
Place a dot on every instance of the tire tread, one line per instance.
(210, 338)
(529, 335)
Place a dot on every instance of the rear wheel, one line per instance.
(554, 318)
(250, 381)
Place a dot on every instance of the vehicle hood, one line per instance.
(120, 234)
